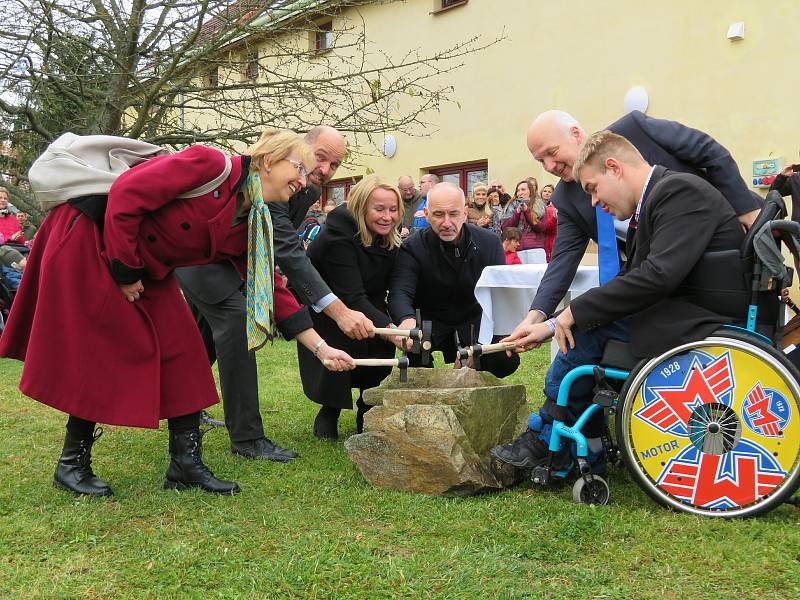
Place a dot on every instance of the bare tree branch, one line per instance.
(177, 72)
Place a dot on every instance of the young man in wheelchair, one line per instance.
(682, 233)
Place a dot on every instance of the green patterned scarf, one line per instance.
(260, 268)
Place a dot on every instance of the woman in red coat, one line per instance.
(100, 321)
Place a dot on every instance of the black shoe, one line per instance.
(74, 469)
(186, 468)
(525, 452)
(326, 424)
(208, 420)
(264, 449)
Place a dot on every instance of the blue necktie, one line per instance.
(607, 255)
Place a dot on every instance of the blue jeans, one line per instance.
(588, 350)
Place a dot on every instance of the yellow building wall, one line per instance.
(582, 56)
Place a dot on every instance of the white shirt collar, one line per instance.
(644, 189)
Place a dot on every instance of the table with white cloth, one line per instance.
(505, 293)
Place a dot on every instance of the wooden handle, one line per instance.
(371, 362)
(391, 331)
(492, 348)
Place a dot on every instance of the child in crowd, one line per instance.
(511, 238)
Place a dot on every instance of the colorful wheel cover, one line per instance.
(714, 428)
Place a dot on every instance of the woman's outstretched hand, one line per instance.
(335, 359)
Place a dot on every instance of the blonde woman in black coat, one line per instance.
(354, 253)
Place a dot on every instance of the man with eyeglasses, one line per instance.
(426, 182)
(215, 294)
(411, 200)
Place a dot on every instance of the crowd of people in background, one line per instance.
(16, 236)
(525, 221)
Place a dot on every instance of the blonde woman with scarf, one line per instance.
(116, 343)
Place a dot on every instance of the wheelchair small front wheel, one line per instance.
(591, 492)
(713, 427)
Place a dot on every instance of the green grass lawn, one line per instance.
(314, 528)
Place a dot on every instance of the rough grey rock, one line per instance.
(432, 434)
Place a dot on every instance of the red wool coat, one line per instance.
(87, 350)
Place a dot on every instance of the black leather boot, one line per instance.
(74, 469)
(186, 468)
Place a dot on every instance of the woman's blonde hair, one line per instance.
(357, 205)
(278, 144)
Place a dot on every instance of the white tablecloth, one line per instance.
(505, 293)
(533, 256)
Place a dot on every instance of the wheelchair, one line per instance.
(711, 427)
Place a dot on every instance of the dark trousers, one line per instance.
(223, 326)
(588, 350)
(443, 340)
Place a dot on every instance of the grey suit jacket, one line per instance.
(661, 142)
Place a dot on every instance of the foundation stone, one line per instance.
(432, 434)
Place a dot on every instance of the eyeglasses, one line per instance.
(301, 168)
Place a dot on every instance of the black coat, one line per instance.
(359, 276)
(661, 142)
(682, 220)
(424, 278)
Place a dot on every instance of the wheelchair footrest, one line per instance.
(541, 475)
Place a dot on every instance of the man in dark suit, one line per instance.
(215, 294)
(555, 138)
(678, 223)
(436, 271)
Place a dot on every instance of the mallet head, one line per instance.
(402, 364)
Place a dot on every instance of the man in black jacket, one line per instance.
(436, 271)
(215, 294)
(678, 223)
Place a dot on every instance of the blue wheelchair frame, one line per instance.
(560, 430)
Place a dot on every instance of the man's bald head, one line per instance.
(554, 139)
(329, 148)
(446, 211)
